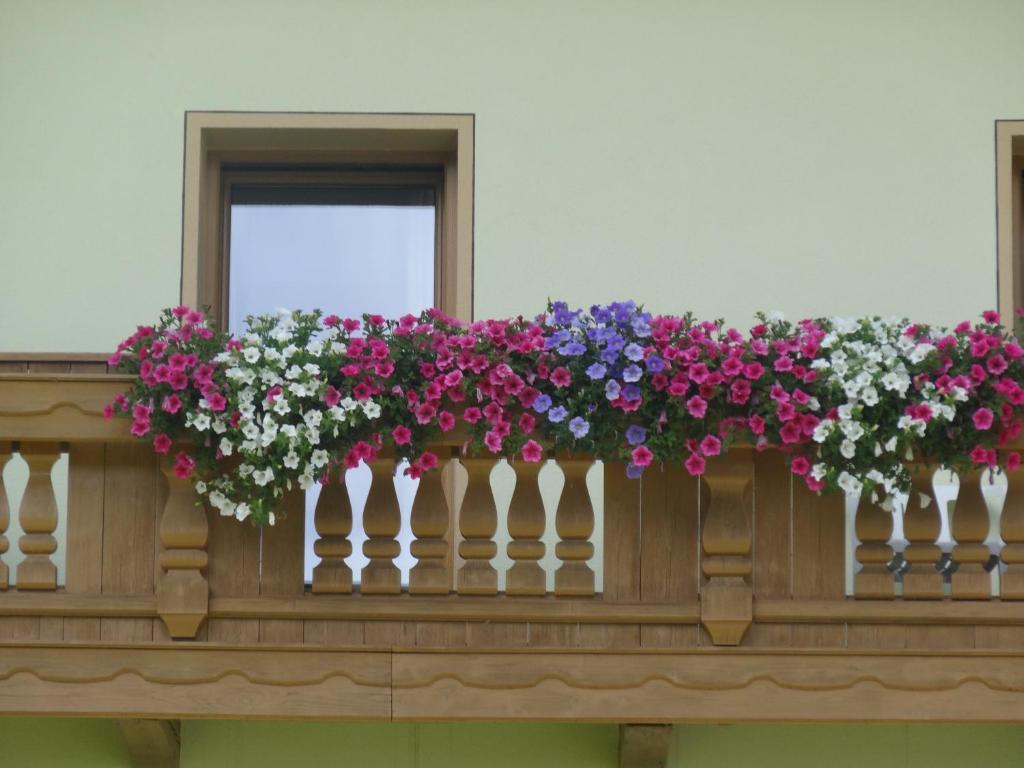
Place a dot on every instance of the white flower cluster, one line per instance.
(872, 361)
(282, 418)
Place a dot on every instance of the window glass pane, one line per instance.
(343, 259)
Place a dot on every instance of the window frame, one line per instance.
(1009, 210)
(297, 145)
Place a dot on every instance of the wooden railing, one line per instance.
(742, 555)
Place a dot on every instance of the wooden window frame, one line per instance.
(1009, 209)
(303, 146)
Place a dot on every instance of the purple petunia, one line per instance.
(579, 426)
(634, 352)
(612, 389)
(632, 373)
(596, 371)
(557, 414)
(542, 403)
(636, 434)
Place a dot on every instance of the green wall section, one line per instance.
(250, 744)
(815, 157)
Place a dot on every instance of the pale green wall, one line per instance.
(813, 156)
(213, 744)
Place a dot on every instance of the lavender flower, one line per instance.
(634, 352)
(632, 373)
(596, 371)
(611, 390)
(542, 403)
(572, 349)
(633, 472)
(579, 426)
(557, 414)
(655, 364)
(636, 434)
(631, 392)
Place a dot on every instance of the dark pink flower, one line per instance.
(800, 466)
(560, 377)
(532, 451)
(697, 407)
(401, 435)
(982, 419)
(642, 456)
(161, 443)
(710, 446)
(446, 421)
(695, 464)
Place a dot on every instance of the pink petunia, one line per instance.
(561, 377)
(982, 419)
(472, 415)
(800, 466)
(710, 446)
(446, 421)
(401, 435)
(331, 396)
(697, 406)
(161, 443)
(1012, 461)
(171, 404)
(695, 464)
(642, 456)
(532, 451)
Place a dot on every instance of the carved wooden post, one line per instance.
(726, 602)
(526, 521)
(382, 521)
(1011, 581)
(38, 517)
(970, 525)
(5, 517)
(921, 526)
(478, 522)
(182, 593)
(430, 523)
(333, 521)
(574, 521)
(874, 581)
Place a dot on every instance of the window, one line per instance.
(349, 213)
(331, 164)
(1009, 204)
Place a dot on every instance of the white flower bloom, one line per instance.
(845, 411)
(776, 316)
(819, 471)
(348, 404)
(200, 422)
(251, 431)
(315, 348)
(822, 431)
(288, 351)
(852, 429)
(920, 352)
(281, 406)
(850, 484)
(200, 487)
(371, 409)
(313, 419)
(226, 446)
(869, 396)
(251, 354)
(306, 481)
(319, 458)
(312, 369)
(219, 426)
(242, 512)
(291, 460)
(271, 518)
(848, 449)
(263, 476)
(244, 470)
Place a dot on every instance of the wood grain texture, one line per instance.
(86, 484)
(819, 557)
(772, 547)
(281, 573)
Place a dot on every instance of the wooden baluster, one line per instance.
(574, 521)
(1011, 581)
(726, 601)
(382, 521)
(333, 521)
(921, 527)
(430, 523)
(874, 581)
(970, 524)
(38, 517)
(478, 522)
(5, 517)
(526, 522)
(182, 593)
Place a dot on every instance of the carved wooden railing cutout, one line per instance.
(182, 592)
(430, 524)
(5, 517)
(526, 523)
(478, 522)
(574, 522)
(969, 521)
(726, 609)
(921, 526)
(1011, 580)
(332, 519)
(382, 520)
(38, 518)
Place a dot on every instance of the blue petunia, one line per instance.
(634, 352)
(655, 364)
(596, 371)
(557, 414)
(612, 389)
(542, 403)
(579, 426)
(632, 373)
(636, 434)
(631, 392)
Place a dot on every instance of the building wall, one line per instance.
(231, 744)
(814, 157)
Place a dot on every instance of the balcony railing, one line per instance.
(740, 557)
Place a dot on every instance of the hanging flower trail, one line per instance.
(300, 395)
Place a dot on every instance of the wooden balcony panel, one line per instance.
(640, 649)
